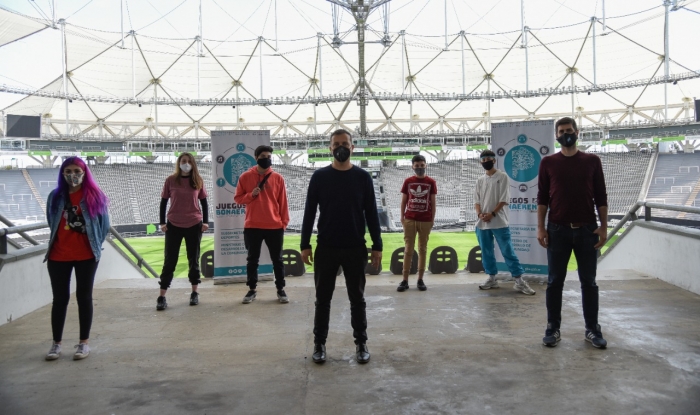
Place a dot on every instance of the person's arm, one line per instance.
(372, 216)
(283, 205)
(205, 214)
(542, 204)
(600, 195)
(163, 206)
(307, 225)
(477, 200)
(104, 219)
(242, 197)
(49, 216)
(404, 202)
(433, 200)
(164, 196)
(372, 220)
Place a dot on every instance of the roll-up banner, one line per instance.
(233, 153)
(519, 148)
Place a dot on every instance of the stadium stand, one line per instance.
(17, 202)
(44, 180)
(114, 179)
(624, 177)
(134, 189)
(676, 181)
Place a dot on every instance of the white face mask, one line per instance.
(185, 167)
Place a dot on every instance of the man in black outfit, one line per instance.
(345, 196)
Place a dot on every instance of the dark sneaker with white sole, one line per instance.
(421, 285)
(161, 304)
(551, 337)
(595, 337)
(403, 286)
(194, 298)
(249, 297)
(282, 296)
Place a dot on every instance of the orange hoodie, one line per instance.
(269, 209)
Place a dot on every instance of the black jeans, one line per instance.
(327, 262)
(60, 274)
(562, 240)
(173, 240)
(274, 239)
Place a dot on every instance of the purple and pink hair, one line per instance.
(92, 194)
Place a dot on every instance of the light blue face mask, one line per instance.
(74, 179)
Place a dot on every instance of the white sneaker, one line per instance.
(54, 352)
(523, 288)
(82, 352)
(489, 284)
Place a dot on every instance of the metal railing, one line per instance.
(140, 262)
(22, 229)
(648, 206)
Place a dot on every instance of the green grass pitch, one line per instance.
(151, 248)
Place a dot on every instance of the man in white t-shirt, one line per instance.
(491, 196)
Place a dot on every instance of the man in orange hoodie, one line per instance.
(263, 192)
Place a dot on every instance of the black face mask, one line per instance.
(487, 165)
(567, 140)
(420, 171)
(264, 163)
(342, 154)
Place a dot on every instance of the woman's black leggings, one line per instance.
(60, 274)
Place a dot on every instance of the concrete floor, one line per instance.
(453, 349)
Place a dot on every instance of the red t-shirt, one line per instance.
(419, 191)
(70, 245)
(184, 209)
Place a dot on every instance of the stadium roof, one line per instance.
(303, 79)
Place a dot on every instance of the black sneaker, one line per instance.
(595, 337)
(403, 286)
(421, 285)
(551, 337)
(161, 304)
(319, 355)
(194, 298)
(282, 296)
(249, 297)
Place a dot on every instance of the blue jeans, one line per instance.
(488, 256)
(562, 240)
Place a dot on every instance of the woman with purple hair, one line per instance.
(76, 211)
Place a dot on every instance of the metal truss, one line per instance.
(469, 128)
(107, 127)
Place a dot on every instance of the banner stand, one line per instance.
(233, 153)
(519, 148)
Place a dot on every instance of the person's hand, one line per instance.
(164, 228)
(543, 237)
(376, 258)
(256, 192)
(205, 227)
(307, 256)
(486, 217)
(602, 233)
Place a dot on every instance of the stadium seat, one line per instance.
(443, 259)
(293, 265)
(396, 266)
(474, 264)
(369, 269)
(206, 264)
